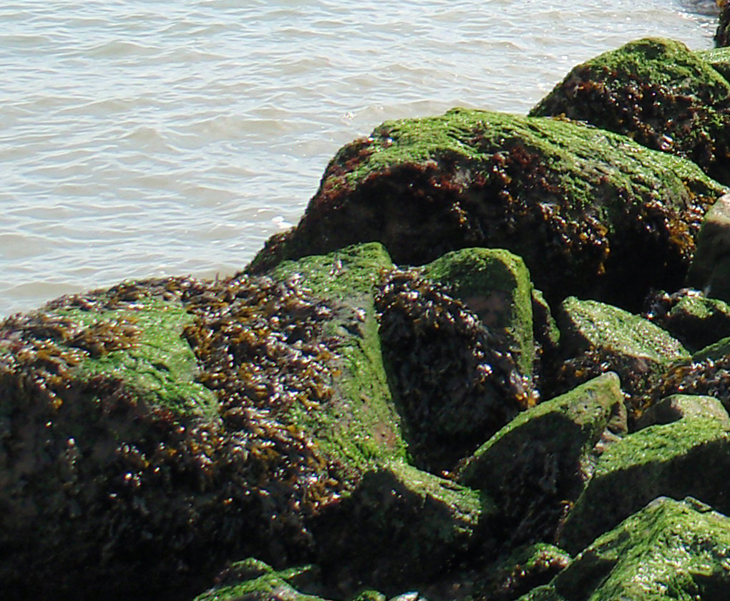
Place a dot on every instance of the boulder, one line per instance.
(597, 338)
(690, 316)
(152, 431)
(678, 406)
(401, 530)
(687, 457)
(576, 203)
(538, 464)
(667, 550)
(657, 92)
(456, 379)
(710, 268)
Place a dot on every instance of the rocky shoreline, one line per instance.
(490, 363)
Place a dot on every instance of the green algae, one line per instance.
(655, 91)
(677, 459)
(366, 427)
(597, 325)
(159, 365)
(496, 285)
(718, 58)
(667, 550)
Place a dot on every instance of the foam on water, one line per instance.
(143, 138)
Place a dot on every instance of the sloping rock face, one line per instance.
(577, 204)
(656, 92)
(154, 430)
(668, 550)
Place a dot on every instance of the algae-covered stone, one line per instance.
(599, 337)
(454, 378)
(691, 317)
(496, 285)
(718, 58)
(540, 461)
(667, 550)
(678, 406)
(710, 268)
(657, 92)
(254, 580)
(152, 431)
(401, 528)
(576, 203)
(690, 456)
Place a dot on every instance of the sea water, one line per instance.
(144, 138)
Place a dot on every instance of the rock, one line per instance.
(679, 406)
(456, 380)
(710, 268)
(152, 431)
(667, 550)
(596, 338)
(494, 284)
(400, 530)
(691, 317)
(722, 35)
(538, 464)
(253, 580)
(576, 203)
(687, 457)
(527, 568)
(706, 373)
(658, 93)
(718, 58)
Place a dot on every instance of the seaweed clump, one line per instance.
(455, 379)
(146, 436)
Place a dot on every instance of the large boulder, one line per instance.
(537, 465)
(668, 550)
(657, 92)
(576, 203)
(152, 431)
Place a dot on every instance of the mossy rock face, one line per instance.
(691, 317)
(690, 456)
(255, 580)
(576, 203)
(456, 380)
(678, 406)
(718, 58)
(658, 93)
(152, 431)
(596, 338)
(400, 530)
(537, 464)
(496, 285)
(706, 373)
(667, 550)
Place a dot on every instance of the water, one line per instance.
(144, 138)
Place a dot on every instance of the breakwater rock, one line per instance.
(474, 370)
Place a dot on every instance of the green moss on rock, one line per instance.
(667, 550)
(576, 203)
(539, 462)
(686, 457)
(657, 92)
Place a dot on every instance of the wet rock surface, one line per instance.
(438, 386)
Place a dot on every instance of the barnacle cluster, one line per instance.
(455, 379)
(95, 467)
(706, 376)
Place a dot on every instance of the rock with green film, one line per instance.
(667, 550)
(152, 431)
(687, 457)
(402, 529)
(657, 92)
(678, 406)
(538, 464)
(596, 338)
(710, 268)
(576, 203)
(718, 58)
(255, 580)
(495, 284)
(690, 316)
(456, 379)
